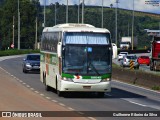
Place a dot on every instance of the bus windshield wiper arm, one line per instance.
(90, 63)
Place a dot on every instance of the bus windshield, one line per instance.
(87, 38)
(89, 56)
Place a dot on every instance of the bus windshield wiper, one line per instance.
(90, 63)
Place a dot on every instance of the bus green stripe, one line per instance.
(88, 77)
(67, 75)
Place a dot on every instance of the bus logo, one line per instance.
(77, 77)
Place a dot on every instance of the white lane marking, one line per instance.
(48, 98)
(7, 72)
(27, 86)
(54, 100)
(20, 81)
(24, 83)
(62, 104)
(36, 91)
(71, 108)
(91, 118)
(136, 86)
(32, 88)
(42, 94)
(137, 103)
(12, 75)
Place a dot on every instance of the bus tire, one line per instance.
(47, 88)
(59, 93)
(100, 94)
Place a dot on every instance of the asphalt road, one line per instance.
(144, 68)
(123, 97)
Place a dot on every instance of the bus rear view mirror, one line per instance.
(59, 49)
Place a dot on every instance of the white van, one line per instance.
(114, 47)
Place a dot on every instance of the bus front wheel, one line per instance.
(100, 94)
(59, 93)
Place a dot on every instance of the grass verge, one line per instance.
(17, 52)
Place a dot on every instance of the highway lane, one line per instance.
(122, 98)
(144, 68)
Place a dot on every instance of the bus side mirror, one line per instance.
(59, 49)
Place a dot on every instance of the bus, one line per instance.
(76, 58)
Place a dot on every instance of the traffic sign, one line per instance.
(12, 45)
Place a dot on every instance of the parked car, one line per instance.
(31, 63)
(126, 61)
(121, 54)
(144, 60)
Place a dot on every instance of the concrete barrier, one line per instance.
(133, 51)
(136, 77)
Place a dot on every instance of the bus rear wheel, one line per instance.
(47, 88)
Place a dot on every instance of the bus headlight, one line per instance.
(67, 79)
(106, 80)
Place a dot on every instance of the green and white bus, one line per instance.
(76, 57)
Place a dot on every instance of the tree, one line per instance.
(29, 10)
(8, 11)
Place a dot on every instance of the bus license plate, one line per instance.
(86, 87)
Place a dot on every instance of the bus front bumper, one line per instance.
(80, 87)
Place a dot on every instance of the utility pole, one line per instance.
(102, 14)
(18, 27)
(128, 28)
(116, 22)
(78, 10)
(44, 23)
(133, 25)
(36, 35)
(67, 12)
(159, 28)
(55, 15)
(83, 12)
(13, 34)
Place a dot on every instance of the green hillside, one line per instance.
(92, 15)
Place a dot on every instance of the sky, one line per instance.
(152, 6)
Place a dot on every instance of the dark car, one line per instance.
(31, 63)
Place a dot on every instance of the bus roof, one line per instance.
(73, 27)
